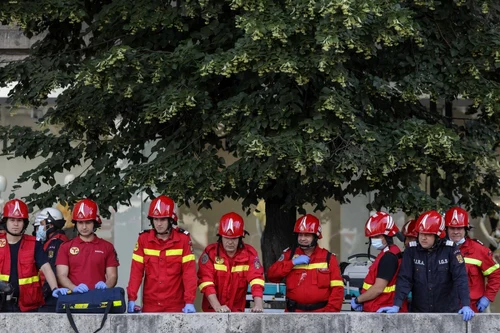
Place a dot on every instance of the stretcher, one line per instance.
(354, 272)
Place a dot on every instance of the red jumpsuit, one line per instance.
(169, 271)
(480, 264)
(313, 283)
(228, 278)
(387, 296)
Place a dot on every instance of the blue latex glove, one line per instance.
(59, 292)
(356, 306)
(482, 304)
(302, 259)
(100, 285)
(189, 308)
(131, 306)
(81, 288)
(467, 313)
(389, 309)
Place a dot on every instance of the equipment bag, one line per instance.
(110, 300)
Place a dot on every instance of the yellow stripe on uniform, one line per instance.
(473, 261)
(150, 252)
(336, 283)
(138, 258)
(189, 257)
(240, 268)
(176, 252)
(219, 267)
(204, 284)
(390, 289)
(29, 280)
(311, 266)
(4, 277)
(260, 282)
(491, 269)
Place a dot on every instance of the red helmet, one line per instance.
(308, 224)
(162, 207)
(231, 226)
(456, 217)
(380, 223)
(85, 210)
(431, 222)
(409, 229)
(15, 209)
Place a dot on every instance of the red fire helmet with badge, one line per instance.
(162, 207)
(456, 217)
(85, 210)
(409, 229)
(15, 209)
(380, 223)
(431, 222)
(308, 224)
(231, 225)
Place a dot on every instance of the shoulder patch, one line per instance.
(413, 244)
(185, 232)
(204, 258)
(450, 243)
(477, 240)
(282, 257)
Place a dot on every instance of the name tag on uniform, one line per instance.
(443, 261)
(418, 262)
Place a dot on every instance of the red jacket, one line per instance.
(169, 271)
(228, 278)
(387, 296)
(312, 283)
(480, 264)
(30, 289)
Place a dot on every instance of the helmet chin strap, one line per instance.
(313, 244)
(15, 235)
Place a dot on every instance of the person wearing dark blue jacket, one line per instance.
(433, 269)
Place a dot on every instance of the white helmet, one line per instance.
(50, 214)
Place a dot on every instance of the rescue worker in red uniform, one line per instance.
(313, 279)
(87, 262)
(21, 258)
(379, 285)
(48, 230)
(478, 260)
(227, 267)
(164, 256)
(410, 232)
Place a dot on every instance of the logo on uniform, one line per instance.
(443, 261)
(74, 250)
(204, 258)
(256, 263)
(418, 262)
(460, 258)
(136, 247)
(50, 254)
(3, 242)
(219, 260)
(282, 257)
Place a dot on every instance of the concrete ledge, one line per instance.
(249, 322)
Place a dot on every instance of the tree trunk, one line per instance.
(278, 233)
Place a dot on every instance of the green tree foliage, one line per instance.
(291, 101)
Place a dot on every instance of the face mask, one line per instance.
(377, 244)
(460, 242)
(41, 234)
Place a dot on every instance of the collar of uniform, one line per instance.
(79, 240)
(171, 237)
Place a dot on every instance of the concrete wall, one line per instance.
(255, 323)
